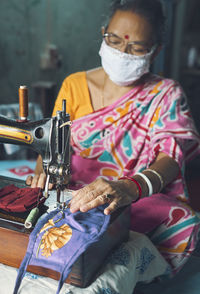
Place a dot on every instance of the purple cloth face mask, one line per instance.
(60, 238)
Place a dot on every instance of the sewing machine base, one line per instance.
(14, 241)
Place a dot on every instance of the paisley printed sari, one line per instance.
(125, 138)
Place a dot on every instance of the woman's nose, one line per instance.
(125, 48)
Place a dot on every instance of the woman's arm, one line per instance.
(166, 167)
(125, 191)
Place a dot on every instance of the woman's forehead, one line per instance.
(127, 23)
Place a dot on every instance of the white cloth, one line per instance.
(135, 260)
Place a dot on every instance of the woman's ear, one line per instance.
(156, 52)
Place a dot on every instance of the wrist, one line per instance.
(133, 186)
(143, 185)
(146, 181)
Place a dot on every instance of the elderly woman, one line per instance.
(132, 133)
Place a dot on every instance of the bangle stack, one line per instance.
(159, 177)
(137, 184)
(148, 182)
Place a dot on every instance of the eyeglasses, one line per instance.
(134, 48)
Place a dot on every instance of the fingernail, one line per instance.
(84, 208)
(106, 212)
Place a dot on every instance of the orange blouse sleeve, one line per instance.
(75, 90)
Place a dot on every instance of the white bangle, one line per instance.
(148, 182)
(158, 175)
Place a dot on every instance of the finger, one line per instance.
(77, 202)
(51, 186)
(87, 194)
(29, 180)
(76, 195)
(100, 200)
(41, 181)
(84, 194)
(114, 205)
(34, 181)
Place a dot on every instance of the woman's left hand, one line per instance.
(115, 193)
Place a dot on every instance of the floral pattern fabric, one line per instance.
(125, 138)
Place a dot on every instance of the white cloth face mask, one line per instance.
(123, 68)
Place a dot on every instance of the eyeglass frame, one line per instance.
(106, 34)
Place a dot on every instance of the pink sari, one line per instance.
(125, 138)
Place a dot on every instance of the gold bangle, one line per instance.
(158, 175)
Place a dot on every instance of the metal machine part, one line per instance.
(50, 137)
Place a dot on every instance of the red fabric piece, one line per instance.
(14, 199)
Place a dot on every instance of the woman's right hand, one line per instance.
(38, 180)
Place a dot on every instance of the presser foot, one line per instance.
(61, 204)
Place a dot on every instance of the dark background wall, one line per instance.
(70, 32)
(28, 26)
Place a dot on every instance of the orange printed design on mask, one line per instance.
(54, 238)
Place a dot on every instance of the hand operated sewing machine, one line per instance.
(50, 137)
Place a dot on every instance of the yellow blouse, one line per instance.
(75, 90)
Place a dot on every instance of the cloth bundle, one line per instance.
(59, 238)
(14, 199)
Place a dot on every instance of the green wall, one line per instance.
(26, 26)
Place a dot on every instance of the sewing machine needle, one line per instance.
(46, 187)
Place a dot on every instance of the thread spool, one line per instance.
(23, 102)
(31, 218)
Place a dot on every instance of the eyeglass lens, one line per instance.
(117, 42)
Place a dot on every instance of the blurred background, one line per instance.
(43, 41)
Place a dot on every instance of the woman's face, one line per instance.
(131, 27)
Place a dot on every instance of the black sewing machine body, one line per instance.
(49, 137)
(32, 134)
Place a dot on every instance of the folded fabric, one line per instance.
(60, 238)
(14, 199)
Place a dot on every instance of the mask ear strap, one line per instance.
(27, 258)
(21, 272)
(61, 282)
